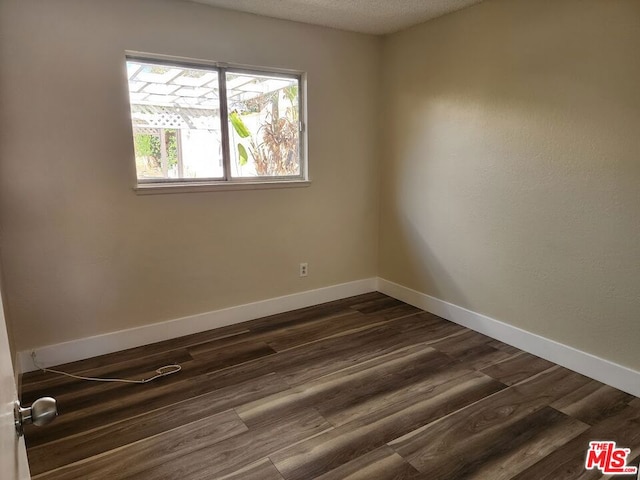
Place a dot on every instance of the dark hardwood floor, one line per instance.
(366, 388)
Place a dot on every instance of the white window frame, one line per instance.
(183, 185)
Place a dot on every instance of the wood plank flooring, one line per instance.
(365, 388)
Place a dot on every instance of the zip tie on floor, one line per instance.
(161, 372)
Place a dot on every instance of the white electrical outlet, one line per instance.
(304, 269)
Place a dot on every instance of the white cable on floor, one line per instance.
(161, 372)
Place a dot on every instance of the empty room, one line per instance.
(319, 239)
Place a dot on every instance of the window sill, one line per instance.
(158, 188)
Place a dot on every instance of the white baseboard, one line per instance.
(83, 348)
(605, 371)
(600, 369)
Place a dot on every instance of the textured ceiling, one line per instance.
(366, 16)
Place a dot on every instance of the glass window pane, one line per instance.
(175, 114)
(264, 135)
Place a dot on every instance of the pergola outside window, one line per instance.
(209, 123)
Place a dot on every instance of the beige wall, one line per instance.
(510, 171)
(512, 167)
(83, 254)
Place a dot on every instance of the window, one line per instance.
(209, 124)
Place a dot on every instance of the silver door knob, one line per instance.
(41, 412)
